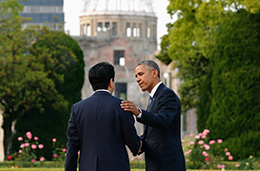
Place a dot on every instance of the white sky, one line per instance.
(72, 9)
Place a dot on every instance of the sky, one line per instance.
(73, 8)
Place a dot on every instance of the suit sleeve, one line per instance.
(131, 138)
(168, 106)
(73, 144)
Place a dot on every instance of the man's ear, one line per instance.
(155, 73)
(110, 83)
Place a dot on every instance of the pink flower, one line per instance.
(212, 142)
(36, 138)
(207, 147)
(191, 135)
(26, 144)
(40, 146)
(188, 152)
(191, 143)
(22, 146)
(219, 166)
(20, 151)
(205, 132)
(219, 141)
(54, 155)
(227, 153)
(200, 134)
(197, 137)
(42, 159)
(236, 165)
(203, 136)
(132, 159)
(205, 154)
(54, 140)
(32, 160)
(20, 138)
(29, 135)
(207, 159)
(226, 149)
(230, 157)
(64, 149)
(34, 146)
(201, 142)
(78, 152)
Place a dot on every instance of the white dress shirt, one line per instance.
(151, 95)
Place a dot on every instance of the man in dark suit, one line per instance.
(161, 137)
(99, 128)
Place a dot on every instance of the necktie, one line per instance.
(149, 103)
(146, 127)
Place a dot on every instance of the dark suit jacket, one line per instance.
(100, 129)
(162, 143)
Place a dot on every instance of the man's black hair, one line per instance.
(100, 74)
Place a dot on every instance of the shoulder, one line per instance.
(165, 90)
(167, 93)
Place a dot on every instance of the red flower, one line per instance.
(9, 157)
(207, 159)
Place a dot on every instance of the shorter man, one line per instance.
(99, 128)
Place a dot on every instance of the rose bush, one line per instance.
(30, 146)
(205, 153)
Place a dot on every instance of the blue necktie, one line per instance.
(149, 103)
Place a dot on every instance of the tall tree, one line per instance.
(52, 123)
(24, 78)
(235, 109)
(215, 44)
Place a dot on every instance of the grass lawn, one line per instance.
(61, 169)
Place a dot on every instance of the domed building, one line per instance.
(122, 33)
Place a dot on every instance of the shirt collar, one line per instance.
(102, 90)
(154, 89)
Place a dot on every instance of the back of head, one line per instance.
(151, 65)
(100, 74)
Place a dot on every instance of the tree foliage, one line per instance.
(27, 79)
(52, 123)
(235, 109)
(215, 45)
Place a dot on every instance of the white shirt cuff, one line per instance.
(140, 115)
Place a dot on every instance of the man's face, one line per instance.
(145, 77)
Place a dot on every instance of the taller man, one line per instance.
(161, 137)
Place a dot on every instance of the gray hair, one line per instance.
(151, 65)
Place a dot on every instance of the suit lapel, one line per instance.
(147, 129)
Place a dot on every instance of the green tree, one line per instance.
(215, 45)
(24, 78)
(235, 109)
(52, 123)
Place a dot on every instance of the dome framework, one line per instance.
(118, 5)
